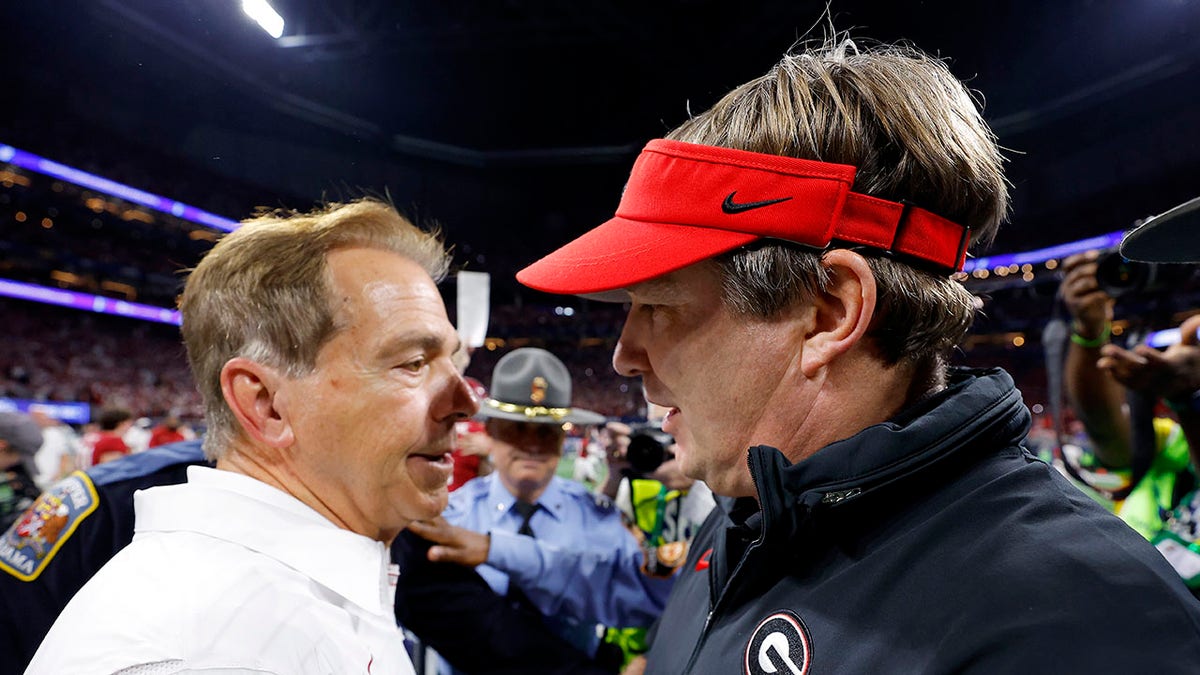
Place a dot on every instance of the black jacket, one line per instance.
(932, 543)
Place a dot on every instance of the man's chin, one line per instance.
(432, 503)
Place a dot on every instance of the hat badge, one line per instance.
(537, 390)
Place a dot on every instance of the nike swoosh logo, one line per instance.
(730, 206)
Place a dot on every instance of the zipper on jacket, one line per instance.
(728, 582)
(838, 496)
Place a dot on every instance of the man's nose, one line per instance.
(629, 358)
(461, 400)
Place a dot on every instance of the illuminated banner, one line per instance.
(71, 413)
(30, 161)
(86, 301)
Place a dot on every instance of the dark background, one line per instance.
(513, 122)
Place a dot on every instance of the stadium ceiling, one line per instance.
(1091, 96)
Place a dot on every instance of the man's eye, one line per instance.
(414, 365)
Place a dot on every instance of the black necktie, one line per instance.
(526, 511)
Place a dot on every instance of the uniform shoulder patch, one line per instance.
(33, 540)
(780, 644)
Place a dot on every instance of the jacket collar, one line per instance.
(978, 413)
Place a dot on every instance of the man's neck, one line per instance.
(527, 494)
(859, 393)
(280, 475)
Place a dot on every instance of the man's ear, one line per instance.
(252, 392)
(843, 311)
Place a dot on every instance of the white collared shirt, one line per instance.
(226, 572)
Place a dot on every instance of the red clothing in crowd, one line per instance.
(466, 466)
(107, 444)
(161, 435)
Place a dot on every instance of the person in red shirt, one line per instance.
(167, 432)
(110, 444)
(472, 445)
(108, 447)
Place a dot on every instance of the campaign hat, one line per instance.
(533, 385)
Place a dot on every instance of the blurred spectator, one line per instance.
(472, 445)
(59, 452)
(20, 438)
(587, 467)
(45, 357)
(137, 435)
(109, 443)
(1095, 377)
(167, 431)
(1173, 375)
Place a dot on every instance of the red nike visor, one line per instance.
(686, 202)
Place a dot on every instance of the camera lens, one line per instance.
(1119, 277)
(647, 450)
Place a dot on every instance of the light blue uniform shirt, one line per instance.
(583, 567)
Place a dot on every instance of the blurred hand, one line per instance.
(475, 444)
(1173, 373)
(616, 446)
(635, 667)
(452, 543)
(671, 475)
(1089, 306)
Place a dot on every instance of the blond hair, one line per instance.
(264, 293)
(914, 133)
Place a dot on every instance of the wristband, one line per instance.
(1092, 343)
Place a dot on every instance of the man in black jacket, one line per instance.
(787, 257)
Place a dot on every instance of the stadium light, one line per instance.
(265, 16)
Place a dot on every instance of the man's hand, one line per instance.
(1089, 305)
(475, 443)
(636, 667)
(616, 446)
(452, 543)
(1171, 374)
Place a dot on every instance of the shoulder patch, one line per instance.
(30, 544)
(780, 644)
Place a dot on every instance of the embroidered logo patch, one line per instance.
(780, 644)
(30, 544)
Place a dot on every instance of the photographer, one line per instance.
(1098, 376)
(661, 506)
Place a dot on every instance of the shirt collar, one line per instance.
(250, 513)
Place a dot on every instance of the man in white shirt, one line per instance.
(322, 349)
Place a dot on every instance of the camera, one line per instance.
(1119, 277)
(648, 448)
